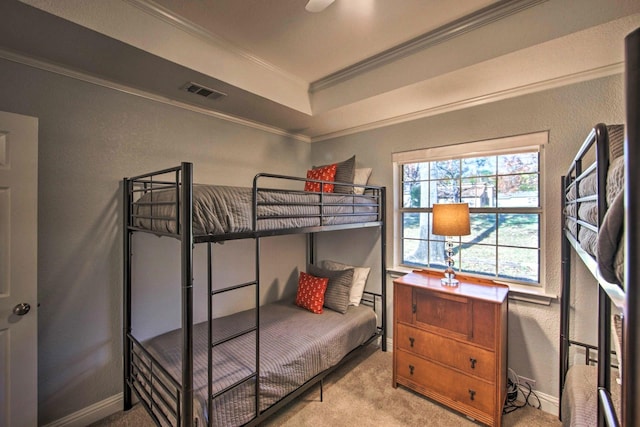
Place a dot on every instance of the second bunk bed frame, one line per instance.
(627, 299)
(608, 293)
(181, 391)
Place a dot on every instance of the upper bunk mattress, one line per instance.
(224, 209)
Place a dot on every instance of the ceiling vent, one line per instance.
(207, 92)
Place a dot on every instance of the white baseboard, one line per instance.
(548, 403)
(91, 414)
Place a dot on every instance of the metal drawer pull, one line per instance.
(411, 340)
(473, 362)
(472, 394)
(411, 368)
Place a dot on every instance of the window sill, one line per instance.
(516, 292)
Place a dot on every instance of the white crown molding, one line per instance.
(159, 12)
(85, 77)
(454, 29)
(604, 71)
(617, 68)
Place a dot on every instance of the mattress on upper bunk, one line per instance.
(295, 345)
(610, 256)
(226, 209)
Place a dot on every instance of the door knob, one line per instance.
(21, 309)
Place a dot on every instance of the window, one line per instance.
(501, 186)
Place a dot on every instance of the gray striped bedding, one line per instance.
(295, 346)
(580, 396)
(588, 211)
(223, 209)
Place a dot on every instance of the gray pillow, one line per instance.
(345, 171)
(336, 297)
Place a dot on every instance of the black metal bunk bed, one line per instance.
(616, 270)
(165, 206)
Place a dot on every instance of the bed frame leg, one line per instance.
(321, 387)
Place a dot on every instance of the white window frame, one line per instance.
(507, 145)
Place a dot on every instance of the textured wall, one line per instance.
(89, 139)
(568, 114)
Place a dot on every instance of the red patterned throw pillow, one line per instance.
(324, 173)
(311, 292)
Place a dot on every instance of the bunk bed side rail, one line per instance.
(151, 184)
(605, 406)
(323, 212)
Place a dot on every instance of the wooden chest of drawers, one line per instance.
(450, 343)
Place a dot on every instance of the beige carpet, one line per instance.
(360, 393)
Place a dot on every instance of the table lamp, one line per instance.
(450, 219)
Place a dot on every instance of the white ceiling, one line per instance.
(313, 45)
(357, 65)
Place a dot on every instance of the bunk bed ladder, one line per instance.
(255, 375)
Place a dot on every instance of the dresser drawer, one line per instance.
(467, 358)
(447, 386)
(455, 316)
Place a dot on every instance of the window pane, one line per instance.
(518, 230)
(448, 191)
(416, 231)
(437, 255)
(517, 163)
(479, 192)
(480, 259)
(411, 225)
(479, 166)
(445, 169)
(483, 229)
(415, 195)
(518, 191)
(414, 171)
(520, 264)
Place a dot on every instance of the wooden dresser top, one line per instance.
(471, 287)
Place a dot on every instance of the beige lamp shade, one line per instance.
(451, 219)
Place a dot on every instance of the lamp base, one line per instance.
(448, 281)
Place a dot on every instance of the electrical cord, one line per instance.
(513, 389)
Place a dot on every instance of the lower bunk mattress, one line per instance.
(580, 397)
(580, 394)
(295, 346)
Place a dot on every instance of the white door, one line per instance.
(18, 270)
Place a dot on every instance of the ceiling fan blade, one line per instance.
(318, 5)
